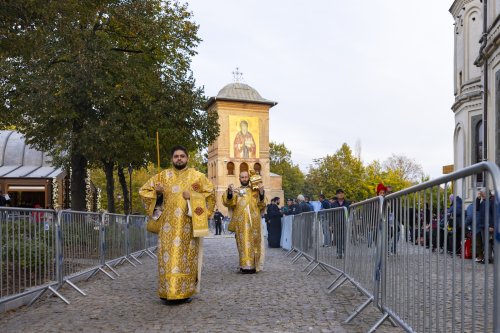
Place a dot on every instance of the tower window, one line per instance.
(479, 146)
(257, 168)
(230, 168)
(243, 167)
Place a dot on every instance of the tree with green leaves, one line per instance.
(344, 170)
(281, 163)
(91, 83)
(340, 170)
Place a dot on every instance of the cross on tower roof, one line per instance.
(237, 75)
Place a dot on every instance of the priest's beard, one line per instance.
(244, 183)
(180, 166)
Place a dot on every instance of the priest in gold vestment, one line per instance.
(166, 197)
(247, 205)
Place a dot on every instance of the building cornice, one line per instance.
(466, 98)
(212, 100)
(457, 6)
(492, 42)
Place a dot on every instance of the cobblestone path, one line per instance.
(279, 299)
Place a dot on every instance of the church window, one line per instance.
(243, 167)
(460, 80)
(479, 141)
(257, 168)
(479, 135)
(230, 168)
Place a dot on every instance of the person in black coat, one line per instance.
(482, 235)
(274, 215)
(218, 217)
(339, 226)
(3, 200)
(304, 206)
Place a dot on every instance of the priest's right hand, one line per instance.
(159, 188)
(230, 188)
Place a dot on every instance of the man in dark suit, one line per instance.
(218, 217)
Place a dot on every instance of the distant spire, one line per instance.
(357, 149)
(237, 75)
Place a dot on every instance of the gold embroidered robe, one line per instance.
(247, 208)
(179, 253)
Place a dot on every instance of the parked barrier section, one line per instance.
(430, 280)
(27, 251)
(332, 234)
(424, 256)
(115, 237)
(41, 250)
(136, 246)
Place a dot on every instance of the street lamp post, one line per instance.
(130, 184)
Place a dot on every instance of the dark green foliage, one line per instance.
(281, 163)
(92, 81)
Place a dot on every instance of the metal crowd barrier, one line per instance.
(80, 240)
(286, 232)
(115, 240)
(304, 237)
(427, 284)
(41, 250)
(413, 256)
(27, 252)
(295, 237)
(151, 243)
(137, 238)
(360, 255)
(332, 234)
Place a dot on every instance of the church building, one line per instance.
(476, 83)
(243, 143)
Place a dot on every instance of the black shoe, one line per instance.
(176, 301)
(247, 271)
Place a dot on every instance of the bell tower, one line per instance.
(243, 143)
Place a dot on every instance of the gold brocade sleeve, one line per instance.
(262, 204)
(230, 203)
(148, 194)
(209, 192)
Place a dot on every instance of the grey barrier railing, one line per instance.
(305, 238)
(41, 250)
(80, 248)
(115, 241)
(138, 240)
(297, 238)
(332, 232)
(331, 240)
(427, 284)
(27, 251)
(360, 259)
(407, 253)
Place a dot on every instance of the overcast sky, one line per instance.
(380, 72)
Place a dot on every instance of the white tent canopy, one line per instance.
(19, 160)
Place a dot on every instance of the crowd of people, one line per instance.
(303, 204)
(441, 231)
(455, 229)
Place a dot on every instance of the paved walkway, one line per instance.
(279, 299)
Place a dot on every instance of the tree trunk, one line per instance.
(110, 184)
(123, 183)
(78, 186)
